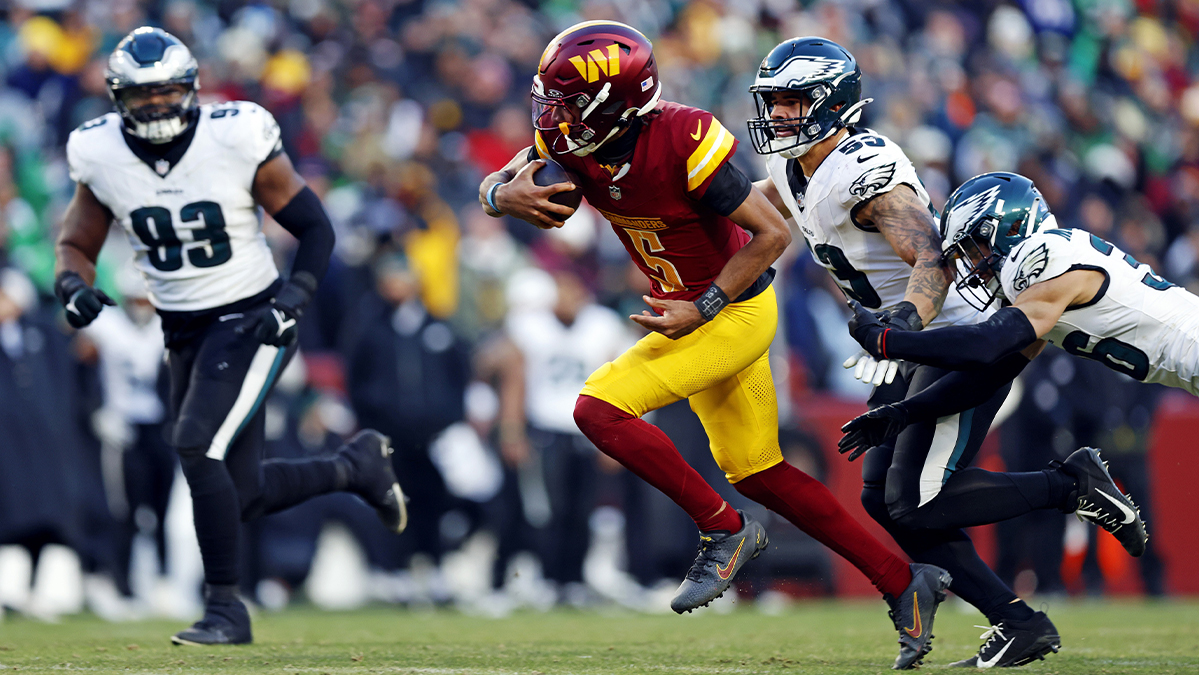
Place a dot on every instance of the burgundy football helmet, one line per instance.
(593, 79)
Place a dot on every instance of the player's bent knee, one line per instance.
(874, 504)
(911, 517)
(592, 415)
(192, 435)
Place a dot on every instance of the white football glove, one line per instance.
(870, 370)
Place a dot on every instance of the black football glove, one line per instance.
(872, 429)
(278, 325)
(866, 328)
(903, 316)
(82, 302)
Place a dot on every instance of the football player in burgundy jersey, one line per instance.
(660, 173)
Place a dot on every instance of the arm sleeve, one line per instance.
(962, 347)
(959, 391)
(306, 220)
(728, 189)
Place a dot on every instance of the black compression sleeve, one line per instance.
(962, 347)
(305, 218)
(728, 189)
(960, 390)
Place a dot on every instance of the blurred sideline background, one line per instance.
(434, 317)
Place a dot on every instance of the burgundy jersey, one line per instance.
(653, 202)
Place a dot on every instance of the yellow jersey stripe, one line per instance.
(540, 145)
(701, 151)
(719, 150)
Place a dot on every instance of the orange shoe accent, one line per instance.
(916, 619)
(724, 573)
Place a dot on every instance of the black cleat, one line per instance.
(719, 558)
(225, 622)
(368, 462)
(916, 607)
(1100, 501)
(1010, 644)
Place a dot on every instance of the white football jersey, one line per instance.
(195, 229)
(1139, 324)
(559, 359)
(862, 262)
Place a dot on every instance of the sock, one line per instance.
(220, 593)
(217, 513)
(952, 550)
(646, 451)
(810, 506)
(1012, 612)
(287, 482)
(973, 496)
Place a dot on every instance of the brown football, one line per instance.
(553, 173)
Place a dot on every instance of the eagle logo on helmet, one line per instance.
(805, 69)
(873, 180)
(970, 210)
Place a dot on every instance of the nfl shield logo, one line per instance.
(162, 166)
(614, 191)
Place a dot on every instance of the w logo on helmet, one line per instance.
(597, 62)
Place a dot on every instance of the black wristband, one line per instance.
(711, 302)
(905, 316)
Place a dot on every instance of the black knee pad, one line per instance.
(874, 504)
(191, 434)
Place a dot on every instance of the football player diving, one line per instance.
(1064, 287)
(868, 219)
(187, 182)
(660, 173)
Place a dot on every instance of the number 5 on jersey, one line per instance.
(647, 244)
(153, 225)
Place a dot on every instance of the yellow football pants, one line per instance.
(722, 368)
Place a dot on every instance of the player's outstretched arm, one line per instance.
(283, 193)
(511, 191)
(964, 347)
(84, 228)
(1033, 315)
(906, 222)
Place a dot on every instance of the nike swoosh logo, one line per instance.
(995, 659)
(696, 136)
(71, 304)
(724, 573)
(230, 317)
(863, 159)
(1129, 514)
(916, 619)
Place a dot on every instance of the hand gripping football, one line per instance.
(553, 173)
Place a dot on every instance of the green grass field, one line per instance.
(817, 638)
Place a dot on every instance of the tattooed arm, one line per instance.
(905, 221)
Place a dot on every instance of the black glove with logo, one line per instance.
(82, 302)
(278, 325)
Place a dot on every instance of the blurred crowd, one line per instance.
(465, 338)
